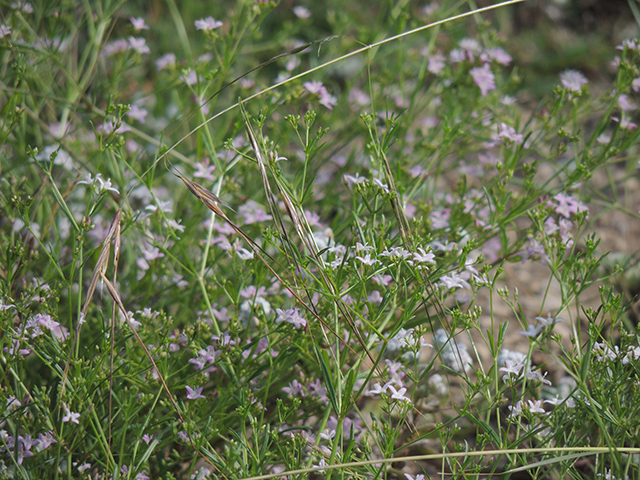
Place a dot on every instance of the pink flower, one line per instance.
(532, 331)
(629, 44)
(138, 23)
(45, 441)
(137, 113)
(550, 226)
(5, 30)
(292, 316)
(549, 320)
(383, 280)
(538, 376)
(399, 394)
(499, 55)
(207, 24)
(152, 253)
(417, 171)
(165, 61)
(139, 45)
(294, 389)
(417, 477)
(253, 212)
(205, 170)
(508, 132)
(59, 332)
(314, 86)
(567, 205)
(117, 46)
(351, 180)
(194, 393)
(440, 219)
(625, 123)
(512, 368)
(436, 63)
(301, 12)
(626, 105)
(515, 409)
(536, 406)
(328, 100)
(204, 357)
(483, 77)
(573, 80)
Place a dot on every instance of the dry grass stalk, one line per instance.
(99, 269)
(210, 200)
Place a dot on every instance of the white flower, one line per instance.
(244, 254)
(377, 389)
(70, 416)
(423, 257)
(511, 369)
(417, 477)
(139, 45)
(138, 23)
(399, 394)
(328, 434)
(536, 406)
(573, 80)
(99, 185)
(321, 463)
(301, 12)
(5, 30)
(207, 24)
(367, 260)
(538, 376)
(532, 331)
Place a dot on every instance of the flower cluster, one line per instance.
(453, 354)
(22, 447)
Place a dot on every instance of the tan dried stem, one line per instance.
(211, 201)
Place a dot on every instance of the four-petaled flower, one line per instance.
(292, 316)
(509, 133)
(423, 257)
(328, 434)
(549, 320)
(70, 416)
(367, 260)
(399, 394)
(207, 24)
(512, 367)
(453, 281)
(138, 23)
(194, 393)
(536, 406)
(532, 331)
(538, 376)
(377, 389)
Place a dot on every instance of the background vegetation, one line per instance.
(231, 246)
